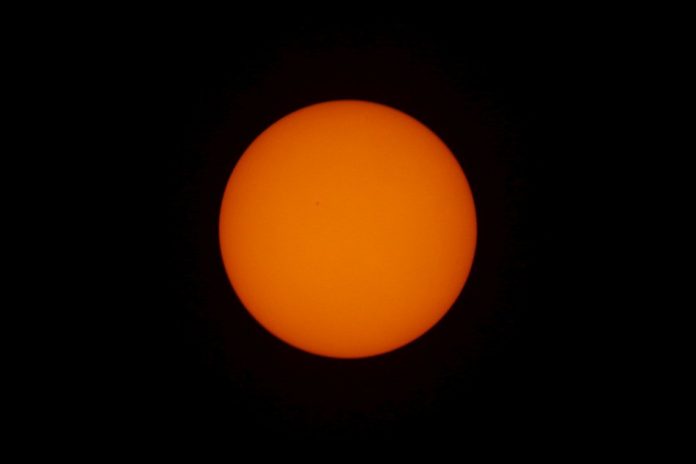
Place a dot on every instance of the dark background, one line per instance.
(196, 363)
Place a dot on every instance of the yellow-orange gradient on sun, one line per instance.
(347, 229)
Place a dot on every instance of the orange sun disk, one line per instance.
(347, 229)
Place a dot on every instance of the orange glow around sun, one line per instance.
(347, 229)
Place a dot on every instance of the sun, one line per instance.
(347, 229)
